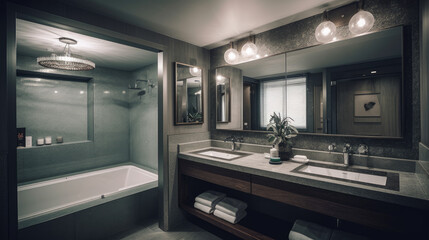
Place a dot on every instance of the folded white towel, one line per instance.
(220, 214)
(210, 198)
(203, 207)
(231, 206)
(303, 230)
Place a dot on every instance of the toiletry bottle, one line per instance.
(274, 152)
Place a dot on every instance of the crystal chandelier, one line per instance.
(67, 61)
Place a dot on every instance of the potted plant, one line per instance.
(282, 133)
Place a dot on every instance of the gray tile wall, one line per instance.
(300, 34)
(424, 79)
(110, 127)
(144, 119)
(175, 215)
(47, 107)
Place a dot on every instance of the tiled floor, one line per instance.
(151, 231)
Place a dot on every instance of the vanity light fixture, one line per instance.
(362, 21)
(231, 55)
(326, 30)
(67, 61)
(249, 49)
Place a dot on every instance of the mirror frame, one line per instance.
(403, 126)
(175, 96)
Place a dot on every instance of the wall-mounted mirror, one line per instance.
(348, 87)
(189, 94)
(223, 98)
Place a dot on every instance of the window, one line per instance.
(287, 97)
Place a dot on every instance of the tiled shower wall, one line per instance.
(144, 119)
(110, 127)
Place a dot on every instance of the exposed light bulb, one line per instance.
(325, 32)
(361, 22)
(219, 77)
(231, 56)
(249, 50)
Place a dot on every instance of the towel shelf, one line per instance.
(376, 214)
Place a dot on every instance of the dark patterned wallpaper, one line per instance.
(300, 34)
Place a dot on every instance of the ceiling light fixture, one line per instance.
(249, 49)
(362, 21)
(326, 30)
(67, 61)
(231, 55)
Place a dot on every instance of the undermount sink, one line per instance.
(221, 154)
(363, 176)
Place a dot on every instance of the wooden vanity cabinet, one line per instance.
(404, 221)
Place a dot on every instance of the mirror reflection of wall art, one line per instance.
(367, 106)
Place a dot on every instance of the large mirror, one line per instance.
(189, 94)
(348, 87)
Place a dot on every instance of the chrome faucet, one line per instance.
(233, 140)
(347, 151)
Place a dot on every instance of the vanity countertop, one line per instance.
(412, 192)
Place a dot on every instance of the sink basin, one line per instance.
(363, 176)
(221, 154)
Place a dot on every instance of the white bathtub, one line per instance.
(43, 201)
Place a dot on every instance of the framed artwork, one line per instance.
(367, 107)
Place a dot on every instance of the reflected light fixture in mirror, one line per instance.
(196, 72)
(231, 55)
(362, 21)
(220, 79)
(325, 31)
(249, 49)
(66, 61)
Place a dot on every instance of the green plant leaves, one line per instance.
(282, 129)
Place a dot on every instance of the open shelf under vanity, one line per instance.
(357, 212)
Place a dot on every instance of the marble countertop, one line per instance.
(412, 192)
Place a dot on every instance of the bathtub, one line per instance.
(47, 200)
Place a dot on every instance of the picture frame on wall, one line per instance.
(367, 107)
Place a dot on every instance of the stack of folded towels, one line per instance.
(207, 201)
(226, 208)
(231, 210)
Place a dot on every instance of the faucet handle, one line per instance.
(347, 147)
(363, 149)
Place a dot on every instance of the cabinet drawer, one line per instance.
(220, 176)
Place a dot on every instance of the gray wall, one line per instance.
(424, 80)
(144, 119)
(300, 34)
(110, 127)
